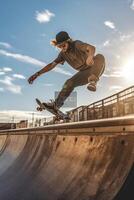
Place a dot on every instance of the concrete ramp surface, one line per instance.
(77, 161)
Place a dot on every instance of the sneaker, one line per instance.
(92, 86)
(52, 105)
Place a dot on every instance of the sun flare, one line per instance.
(128, 70)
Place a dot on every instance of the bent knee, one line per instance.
(99, 59)
(99, 64)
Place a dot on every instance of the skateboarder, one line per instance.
(79, 55)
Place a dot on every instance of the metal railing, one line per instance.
(119, 104)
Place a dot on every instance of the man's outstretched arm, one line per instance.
(45, 69)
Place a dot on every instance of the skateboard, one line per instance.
(58, 113)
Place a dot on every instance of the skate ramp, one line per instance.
(75, 161)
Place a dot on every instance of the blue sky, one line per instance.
(27, 28)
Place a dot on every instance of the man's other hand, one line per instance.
(32, 78)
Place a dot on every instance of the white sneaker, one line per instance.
(92, 86)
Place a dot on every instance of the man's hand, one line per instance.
(45, 69)
(32, 78)
(90, 61)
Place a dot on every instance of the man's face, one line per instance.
(64, 46)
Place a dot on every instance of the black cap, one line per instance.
(62, 37)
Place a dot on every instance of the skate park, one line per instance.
(81, 160)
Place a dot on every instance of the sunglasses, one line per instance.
(61, 45)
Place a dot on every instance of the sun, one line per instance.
(128, 70)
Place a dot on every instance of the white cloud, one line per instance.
(115, 74)
(30, 60)
(4, 70)
(5, 44)
(1, 89)
(7, 115)
(44, 16)
(62, 71)
(114, 54)
(10, 86)
(2, 73)
(132, 5)
(22, 58)
(106, 43)
(124, 37)
(109, 24)
(7, 69)
(116, 87)
(19, 76)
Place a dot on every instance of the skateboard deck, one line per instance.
(59, 114)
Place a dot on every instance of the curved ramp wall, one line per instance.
(77, 161)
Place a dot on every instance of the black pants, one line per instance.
(81, 78)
